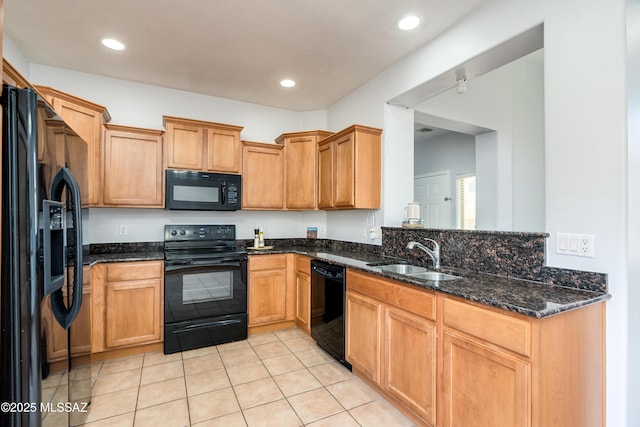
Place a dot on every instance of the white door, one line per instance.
(433, 192)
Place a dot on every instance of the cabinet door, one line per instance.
(325, 175)
(267, 296)
(364, 334)
(88, 124)
(301, 174)
(133, 312)
(223, 151)
(263, 178)
(409, 371)
(344, 173)
(303, 293)
(128, 304)
(185, 146)
(133, 167)
(80, 329)
(484, 387)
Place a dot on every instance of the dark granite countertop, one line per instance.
(92, 259)
(530, 298)
(123, 252)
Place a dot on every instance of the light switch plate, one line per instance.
(575, 244)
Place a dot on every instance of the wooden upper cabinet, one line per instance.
(301, 168)
(223, 149)
(202, 146)
(133, 167)
(349, 169)
(86, 119)
(325, 176)
(11, 76)
(262, 179)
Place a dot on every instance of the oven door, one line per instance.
(204, 288)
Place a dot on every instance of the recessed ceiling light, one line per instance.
(112, 43)
(287, 83)
(409, 22)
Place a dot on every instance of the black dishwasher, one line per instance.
(327, 308)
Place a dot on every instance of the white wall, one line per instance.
(508, 100)
(147, 225)
(633, 122)
(452, 151)
(140, 105)
(585, 138)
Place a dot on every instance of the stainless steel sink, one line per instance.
(433, 275)
(402, 268)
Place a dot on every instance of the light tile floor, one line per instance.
(272, 379)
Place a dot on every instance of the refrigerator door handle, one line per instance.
(64, 316)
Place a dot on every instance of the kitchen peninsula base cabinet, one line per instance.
(449, 362)
(128, 306)
(202, 146)
(391, 341)
(271, 292)
(133, 168)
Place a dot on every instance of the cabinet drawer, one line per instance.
(417, 301)
(267, 262)
(134, 271)
(303, 264)
(506, 331)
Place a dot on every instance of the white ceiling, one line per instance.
(237, 49)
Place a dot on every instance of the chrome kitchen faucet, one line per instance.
(433, 253)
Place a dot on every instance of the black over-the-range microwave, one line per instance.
(190, 190)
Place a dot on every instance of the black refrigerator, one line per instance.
(44, 170)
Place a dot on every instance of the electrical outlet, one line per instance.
(124, 230)
(585, 245)
(575, 244)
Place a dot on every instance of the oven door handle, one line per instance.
(219, 262)
(206, 325)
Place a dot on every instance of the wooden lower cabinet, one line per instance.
(483, 386)
(450, 362)
(303, 292)
(56, 337)
(391, 346)
(271, 295)
(128, 304)
(363, 335)
(409, 369)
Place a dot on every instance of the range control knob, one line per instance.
(174, 232)
(182, 232)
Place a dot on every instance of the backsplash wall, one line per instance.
(511, 254)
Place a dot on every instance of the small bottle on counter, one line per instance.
(260, 238)
(256, 238)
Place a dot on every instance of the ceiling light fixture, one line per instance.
(287, 83)
(461, 86)
(112, 43)
(409, 22)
